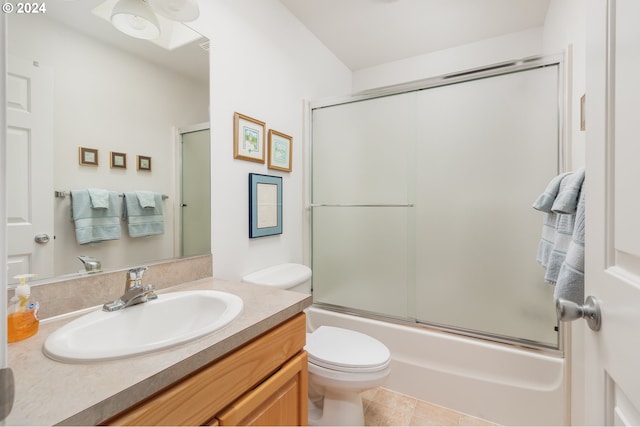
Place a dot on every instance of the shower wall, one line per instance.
(421, 204)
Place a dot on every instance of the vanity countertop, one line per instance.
(50, 392)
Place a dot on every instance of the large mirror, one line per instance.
(92, 108)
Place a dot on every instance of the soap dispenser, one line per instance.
(22, 320)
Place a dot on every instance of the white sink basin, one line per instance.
(172, 319)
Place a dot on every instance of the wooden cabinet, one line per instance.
(263, 382)
(280, 400)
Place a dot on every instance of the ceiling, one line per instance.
(190, 60)
(365, 33)
(361, 33)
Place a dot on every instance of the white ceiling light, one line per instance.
(177, 10)
(135, 18)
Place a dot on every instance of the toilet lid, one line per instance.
(345, 350)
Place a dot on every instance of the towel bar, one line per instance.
(375, 205)
(63, 194)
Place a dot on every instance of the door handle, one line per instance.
(43, 239)
(590, 311)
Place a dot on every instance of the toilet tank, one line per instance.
(291, 276)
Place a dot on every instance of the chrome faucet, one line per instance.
(134, 291)
(91, 265)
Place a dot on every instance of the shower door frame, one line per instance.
(563, 164)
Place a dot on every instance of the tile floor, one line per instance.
(383, 407)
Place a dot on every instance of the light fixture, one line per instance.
(135, 18)
(176, 10)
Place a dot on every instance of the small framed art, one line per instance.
(248, 138)
(280, 146)
(118, 160)
(265, 205)
(144, 163)
(88, 156)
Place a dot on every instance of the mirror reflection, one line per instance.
(92, 108)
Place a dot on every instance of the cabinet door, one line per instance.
(279, 401)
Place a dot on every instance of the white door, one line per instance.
(29, 168)
(612, 355)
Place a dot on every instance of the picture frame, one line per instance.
(248, 138)
(265, 205)
(87, 156)
(143, 163)
(118, 160)
(583, 124)
(280, 151)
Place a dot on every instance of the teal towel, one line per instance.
(95, 224)
(544, 202)
(142, 221)
(99, 198)
(570, 283)
(566, 201)
(147, 199)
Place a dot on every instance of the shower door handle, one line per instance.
(590, 311)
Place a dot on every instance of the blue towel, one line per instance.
(557, 228)
(570, 283)
(95, 224)
(142, 221)
(147, 199)
(99, 198)
(566, 201)
(544, 202)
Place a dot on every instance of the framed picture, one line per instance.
(88, 156)
(248, 138)
(118, 160)
(582, 113)
(144, 163)
(265, 205)
(279, 151)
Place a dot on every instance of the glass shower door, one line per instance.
(487, 148)
(422, 204)
(362, 174)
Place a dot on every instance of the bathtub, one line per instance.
(496, 382)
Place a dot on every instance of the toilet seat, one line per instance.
(346, 350)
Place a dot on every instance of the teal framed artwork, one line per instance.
(265, 205)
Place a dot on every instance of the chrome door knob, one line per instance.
(590, 311)
(43, 239)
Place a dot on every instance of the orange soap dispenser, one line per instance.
(23, 320)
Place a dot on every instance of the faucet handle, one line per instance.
(134, 277)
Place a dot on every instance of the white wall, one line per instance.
(484, 52)
(565, 31)
(112, 101)
(264, 63)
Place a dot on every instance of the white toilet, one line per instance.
(342, 363)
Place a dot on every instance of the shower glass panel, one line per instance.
(421, 204)
(491, 146)
(363, 179)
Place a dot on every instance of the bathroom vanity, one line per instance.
(254, 370)
(262, 383)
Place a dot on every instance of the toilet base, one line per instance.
(338, 408)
